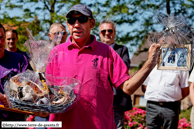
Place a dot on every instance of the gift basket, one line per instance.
(64, 92)
(27, 92)
(177, 42)
(36, 92)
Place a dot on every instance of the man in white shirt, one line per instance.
(163, 91)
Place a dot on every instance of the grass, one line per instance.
(185, 113)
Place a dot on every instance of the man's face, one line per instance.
(11, 40)
(59, 32)
(107, 33)
(80, 31)
(2, 42)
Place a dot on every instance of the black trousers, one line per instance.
(162, 114)
(38, 118)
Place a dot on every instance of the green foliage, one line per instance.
(37, 15)
(185, 114)
(136, 17)
(135, 118)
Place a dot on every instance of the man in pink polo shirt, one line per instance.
(98, 67)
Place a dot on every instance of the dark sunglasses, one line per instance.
(57, 33)
(109, 31)
(81, 19)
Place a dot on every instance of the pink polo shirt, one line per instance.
(98, 67)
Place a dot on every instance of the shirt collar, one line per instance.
(112, 45)
(91, 45)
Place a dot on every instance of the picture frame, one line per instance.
(177, 57)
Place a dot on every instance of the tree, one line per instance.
(37, 15)
(15, 22)
(138, 16)
(135, 17)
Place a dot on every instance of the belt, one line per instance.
(164, 103)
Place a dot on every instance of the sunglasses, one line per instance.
(81, 19)
(57, 33)
(109, 31)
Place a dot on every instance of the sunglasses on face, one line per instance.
(81, 19)
(58, 33)
(109, 31)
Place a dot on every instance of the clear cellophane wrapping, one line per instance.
(26, 92)
(31, 91)
(177, 34)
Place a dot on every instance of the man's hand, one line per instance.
(131, 85)
(3, 100)
(154, 52)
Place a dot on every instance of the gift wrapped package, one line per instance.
(27, 92)
(34, 91)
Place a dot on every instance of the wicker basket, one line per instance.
(28, 106)
(33, 107)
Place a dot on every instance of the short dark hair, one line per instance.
(13, 31)
(1, 26)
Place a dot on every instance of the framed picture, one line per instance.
(177, 58)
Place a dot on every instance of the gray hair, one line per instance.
(108, 21)
(57, 24)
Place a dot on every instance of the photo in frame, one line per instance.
(176, 58)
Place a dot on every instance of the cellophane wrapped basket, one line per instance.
(27, 92)
(31, 91)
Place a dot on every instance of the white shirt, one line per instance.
(165, 85)
(191, 78)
